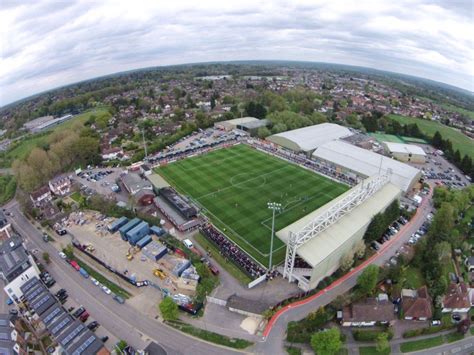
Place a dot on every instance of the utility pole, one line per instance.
(144, 143)
(274, 206)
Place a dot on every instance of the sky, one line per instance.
(46, 44)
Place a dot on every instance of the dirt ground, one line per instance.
(113, 251)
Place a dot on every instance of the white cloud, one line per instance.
(53, 43)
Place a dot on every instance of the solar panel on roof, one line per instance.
(84, 346)
(4, 336)
(5, 351)
(35, 293)
(3, 322)
(61, 325)
(41, 301)
(72, 335)
(52, 315)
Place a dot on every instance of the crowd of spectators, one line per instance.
(232, 252)
(304, 161)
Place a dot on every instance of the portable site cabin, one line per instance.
(125, 228)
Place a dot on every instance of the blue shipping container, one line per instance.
(138, 232)
(144, 241)
(154, 250)
(124, 229)
(157, 231)
(83, 273)
(113, 227)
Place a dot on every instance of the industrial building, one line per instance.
(347, 158)
(307, 139)
(322, 237)
(406, 152)
(229, 125)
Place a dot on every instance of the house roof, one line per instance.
(456, 296)
(40, 192)
(370, 310)
(418, 304)
(246, 305)
(13, 258)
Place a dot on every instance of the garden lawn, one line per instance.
(459, 140)
(372, 350)
(234, 185)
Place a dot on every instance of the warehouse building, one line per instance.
(406, 152)
(307, 139)
(229, 125)
(323, 253)
(347, 158)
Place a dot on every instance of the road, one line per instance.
(274, 335)
(123, 321)
(465, 346)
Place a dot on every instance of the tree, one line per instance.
(359, 249)
(382, 343)
(46, 258)
(326, 342)
(168, 309)
(437, 140)
(367, 281)
(263, 132)
(69, 251)
(347, 261)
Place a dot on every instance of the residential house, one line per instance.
(60, 185)
(16, 266)
(41, 196)
(368, 312)
(5, 227)
(111, 153)
(416, 304)
(456, 299)
(12, 340)
(134, 183)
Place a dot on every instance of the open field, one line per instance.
(459, 140)
(24, 146)
(233, 187)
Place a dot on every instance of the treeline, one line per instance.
(64, 150)
(381, 221)
(464, 163)
(7, 188)
(449, 230)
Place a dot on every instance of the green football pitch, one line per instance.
(233, 186)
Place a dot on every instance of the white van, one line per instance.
(188, 243)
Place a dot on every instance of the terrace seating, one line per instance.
(231, 251)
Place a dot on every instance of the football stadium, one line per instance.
(233, 186)
(328, 189)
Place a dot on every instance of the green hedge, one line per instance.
(370, 335)
(301, 331)
(426, 331)
(212, 337)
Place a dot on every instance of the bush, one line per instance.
(301, 331)
(169, 309)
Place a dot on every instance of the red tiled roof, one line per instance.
(457, 296)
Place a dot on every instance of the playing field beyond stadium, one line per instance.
(233, 186)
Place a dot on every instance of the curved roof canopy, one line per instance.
(309, 138)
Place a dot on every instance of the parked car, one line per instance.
(93, 325)
(45, 237)
(62, 255)
(78, 312)
(75, 265)
(94, 281)
(104, 339)
(106, 290)
(435, 322)
(84, 317)
(119, 299)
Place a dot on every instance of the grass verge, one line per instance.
(229, 266)
(372, 350)
(450, 338)
(421, 344)
(103, 280)
(212, 337)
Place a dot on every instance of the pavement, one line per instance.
(123, 321)
(275, 333)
